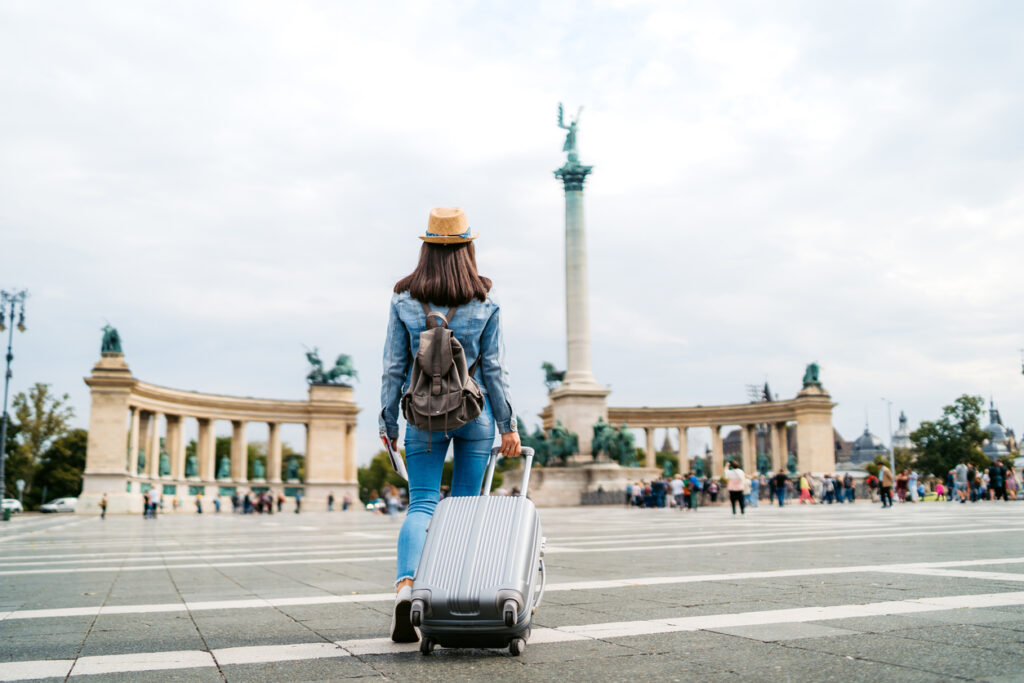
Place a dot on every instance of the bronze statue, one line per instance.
(811, 376)
(165, 460)
(224, 468)
(570, 136)
(538, 441)
(111, 340)
(293, 469)
(258, 470)
(190, 465)
(563, 443)
(552, 376)
(603, 439)
(343, 370)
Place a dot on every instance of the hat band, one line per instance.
(465, 234)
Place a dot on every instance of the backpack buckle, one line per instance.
(435, 385)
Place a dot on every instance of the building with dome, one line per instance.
(865, 449)
(1000, 442)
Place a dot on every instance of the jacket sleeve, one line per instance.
(495, 373)
(396, 370)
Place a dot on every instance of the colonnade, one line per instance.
(777, 447)
(812, 441)
(121, 403)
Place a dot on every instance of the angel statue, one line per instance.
(570, 137)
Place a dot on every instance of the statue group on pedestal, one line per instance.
(341, 374)
(618, 444)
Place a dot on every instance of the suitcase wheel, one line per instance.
(510, 612)
(516, 647)
(426, 646)
(416, 614)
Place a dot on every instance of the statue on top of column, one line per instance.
(811, 376)
(341, 374)
(570, 137)
(111, 340)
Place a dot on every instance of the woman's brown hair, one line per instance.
(446, 275)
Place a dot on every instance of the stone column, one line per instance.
(649, 459)
(717, 454)
(205, 445)
(153, 450)
(274, 452)
(176, 445)
(239, 452)
(684, 451)
(145, 422)
(133, 441)
(577, 307)
(779, 454)
(750, 449)
(350, 454)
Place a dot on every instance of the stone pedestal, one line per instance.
(106, 469)
(330, 453)
(564, 486)
(578, 409)
(815, 445)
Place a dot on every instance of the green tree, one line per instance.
(42, 417)
(955, 437)
(61, 467)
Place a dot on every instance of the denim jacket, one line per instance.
(477, 326)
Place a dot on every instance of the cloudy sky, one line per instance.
(774, 184)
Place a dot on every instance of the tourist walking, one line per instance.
(848, 487)
(885, 482)
(780, 480)
(912, 486)
(997, 480)
(330, 502)
(199, 503)
(103, 506)
(805, 489)
(755, 491)
(960, 481)
(678, 488)
(445, 279)
(735, 481)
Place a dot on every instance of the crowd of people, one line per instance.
(245, 503)
(964, 483)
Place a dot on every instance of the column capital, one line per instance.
(573, 174)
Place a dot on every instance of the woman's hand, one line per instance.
(510, 445)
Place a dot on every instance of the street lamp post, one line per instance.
(892, 451)
(14, 299)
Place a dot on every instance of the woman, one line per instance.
(736, 482)
(445, 278)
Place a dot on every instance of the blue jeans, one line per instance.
(473, 444)
(781, 495)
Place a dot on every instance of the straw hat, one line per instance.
(448, 225)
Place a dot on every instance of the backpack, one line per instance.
(442, 394)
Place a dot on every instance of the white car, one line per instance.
(12, 504)
(59, 505)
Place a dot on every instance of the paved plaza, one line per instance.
(931, 591)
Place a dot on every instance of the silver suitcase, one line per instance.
(481, 575)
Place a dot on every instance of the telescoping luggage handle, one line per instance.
(495, 452)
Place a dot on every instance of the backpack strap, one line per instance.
(430, 315)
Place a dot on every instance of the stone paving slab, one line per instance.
(701, 562)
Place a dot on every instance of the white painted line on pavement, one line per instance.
(159, 661)
(249, 603)
(950, 573)
(197, 565)
(809, 539)
(141, 661)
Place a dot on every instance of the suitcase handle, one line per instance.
(493, 460)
